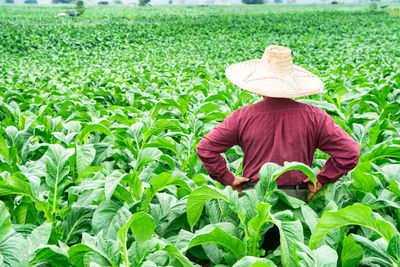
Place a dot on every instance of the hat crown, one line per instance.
(277, 59)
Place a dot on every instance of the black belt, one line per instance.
(250, 184)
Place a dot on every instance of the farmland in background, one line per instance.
(100, 116)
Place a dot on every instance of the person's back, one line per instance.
(278, 130)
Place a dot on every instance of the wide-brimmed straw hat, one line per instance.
(274, 75)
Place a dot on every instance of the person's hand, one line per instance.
(313, 189)
(237, 183)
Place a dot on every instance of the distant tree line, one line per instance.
(260, 2)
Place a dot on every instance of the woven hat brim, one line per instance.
(246, 75)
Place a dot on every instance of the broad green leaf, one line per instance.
(373, 252)
(267, 181)
(78, 221)
(382, 151)
(5, 222)
(214, 234)
(288, 166)
(39, 237)
(290, 231)
(101, 245)
(93, 128)
(352, 252)
(362, 179)
(393, 249)
(26, 211)
(269, 172)
(13, 247)
(142, 227)
(57, 171)
(173, 251)
(84, 157)
(4, 151)
(248, 261)
(112, 181)
(163, 143)
(256, 224)
(147, 155)
(351, 215)
(394, 186)
(16, 186)
(134, 183)
(50, 254)
(159, 182)
(326, 256)
(109, 217)
(196, 201)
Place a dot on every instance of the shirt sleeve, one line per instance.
(343, 150)
(219, 140)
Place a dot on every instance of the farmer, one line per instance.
(278, 129)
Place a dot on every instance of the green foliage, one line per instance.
(80, 7)
(373, 6)
(253, 2)
(143, 2)
(62, 1)
(99, 127)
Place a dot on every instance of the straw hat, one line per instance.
(274, 75)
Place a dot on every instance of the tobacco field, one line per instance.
(100, 116)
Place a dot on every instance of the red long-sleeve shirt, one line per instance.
(278, 130)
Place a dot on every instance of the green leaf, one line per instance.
(93, 128)
(159, 182)
(50, 254)
(394, 186)
(78, 221)
(4, 151)
(269, 172)
(288, 166)
(84, 157)
(352, 252)
(111, 183)
(196, 201)
(290, 231)
(326, 256)
(39, 236)
(362, 178)
(163, 143)
(256, 224)
(5, 222)
(382, 151)
(101, 245)
(373, 252)
(142, 226)
(13, 247)
(214, 234)
(393, 249)
(357, 215)
(109, 217)
(26, 211)
(15, 186)
(173, 251)
(148, 155)
(57, 171)
(248, 261)
(134, 183)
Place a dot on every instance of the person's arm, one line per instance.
(343, 150)
(219, 140)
